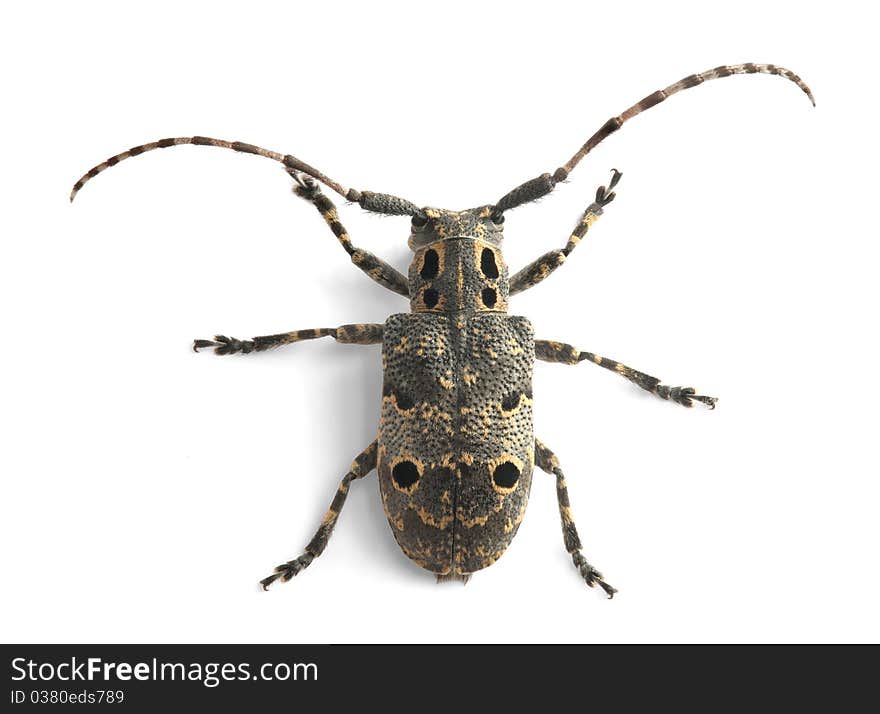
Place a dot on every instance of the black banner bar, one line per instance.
(133, 678)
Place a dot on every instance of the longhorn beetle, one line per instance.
(455, 448)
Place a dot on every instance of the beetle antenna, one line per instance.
(289, 161)
(542, 185)
(376, 202)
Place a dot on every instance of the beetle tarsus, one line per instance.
(224, 345)
(591, 576)
(686, 396)
(308, 187)
(288, 570)
(604, 196)
(607, 588)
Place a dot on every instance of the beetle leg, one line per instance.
(361, 334)
(363, 464)
(560, 352)
(546, 460)
(539, 269)
(375, 268)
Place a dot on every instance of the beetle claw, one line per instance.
(201, 344)
(591, 576)
(708, 401)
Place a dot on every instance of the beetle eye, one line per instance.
(498, 219)
(419, 221)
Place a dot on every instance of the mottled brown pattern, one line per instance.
(457, 518)
(474, 223)
(460, 281)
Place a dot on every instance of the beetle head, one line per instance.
(439, 225)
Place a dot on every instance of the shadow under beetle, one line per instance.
(455, 449)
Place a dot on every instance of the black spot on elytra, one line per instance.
(510, 402)
(404, 401)
(490, 297)
(505, 475)
(405, 474)
(431, 297)
(431, 265)
(487, 263)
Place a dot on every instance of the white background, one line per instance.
(147, 489)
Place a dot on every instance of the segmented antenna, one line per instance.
(290, 162)
(542, 185)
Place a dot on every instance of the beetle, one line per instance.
(455, 449)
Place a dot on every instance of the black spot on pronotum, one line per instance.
(405, 474)
(431, 297)
(404, 401)
(490, 297)
(431, 265)
(510, 402)
(505, 475)
(487, 263)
